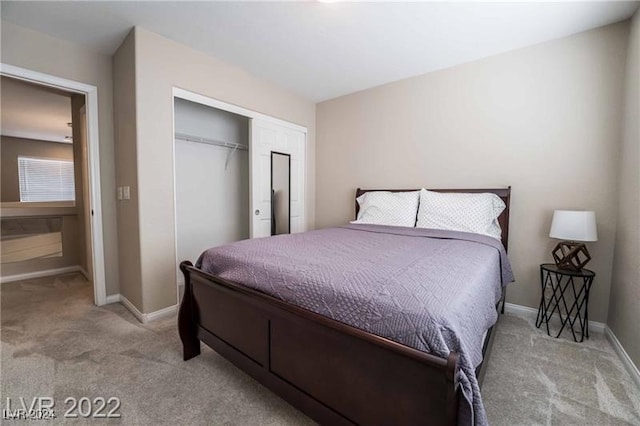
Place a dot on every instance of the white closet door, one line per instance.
(265, 138)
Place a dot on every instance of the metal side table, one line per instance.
(569, 298)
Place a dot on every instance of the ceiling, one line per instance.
(34, 112)
(324, 50)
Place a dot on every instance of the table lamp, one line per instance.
(573, 227)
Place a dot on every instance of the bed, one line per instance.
(333, 371)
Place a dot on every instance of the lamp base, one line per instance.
(570, 255)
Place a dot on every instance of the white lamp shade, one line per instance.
(574, 225)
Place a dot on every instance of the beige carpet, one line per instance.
(534, 379)
(56, 343)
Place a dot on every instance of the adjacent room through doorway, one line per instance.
(45, 219)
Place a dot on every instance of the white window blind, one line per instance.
(43, 179)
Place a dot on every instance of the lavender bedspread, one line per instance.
(433, 290)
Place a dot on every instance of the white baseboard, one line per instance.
(114, 298)
(40, 274)
(528, 312)
(168, 311)
(624, 356)
(132, 308)
(86, 274)
(143, 318)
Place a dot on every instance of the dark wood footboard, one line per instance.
(334, 373)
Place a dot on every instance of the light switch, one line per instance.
(126, 193)
(119, 193)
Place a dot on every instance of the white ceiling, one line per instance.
(34, 112)
(325, 50)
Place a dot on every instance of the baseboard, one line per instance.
(114, 298)
(528, 312)
(168, 311)
(132, 308)
(40, 274)
(624, 356)
(143, 318)
(86, 274)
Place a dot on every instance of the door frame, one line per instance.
(224, 106)
(93, 158)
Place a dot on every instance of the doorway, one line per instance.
(53, 216)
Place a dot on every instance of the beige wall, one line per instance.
(624, 307)
(124, 102)
(11, 148)
(36, 51)
(161, 64)
(544, 119)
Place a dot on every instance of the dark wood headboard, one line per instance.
(503, 193)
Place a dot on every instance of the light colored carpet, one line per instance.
(56, 343)
(534, 379)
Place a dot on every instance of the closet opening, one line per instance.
(238, 174)
(211, 178)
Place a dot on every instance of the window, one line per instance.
(44, 179)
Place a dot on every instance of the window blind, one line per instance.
(45, 179)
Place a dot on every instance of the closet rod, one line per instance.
(190, 138)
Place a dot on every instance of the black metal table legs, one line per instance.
(569, 299)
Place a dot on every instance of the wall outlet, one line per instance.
(126, 192)
(119, 193)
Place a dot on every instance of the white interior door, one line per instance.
(265, 138)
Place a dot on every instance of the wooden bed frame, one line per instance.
(334, 373)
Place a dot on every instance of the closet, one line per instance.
(211, 177)
(238, 174)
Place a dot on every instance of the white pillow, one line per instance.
(388, 208)
(477, 213)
